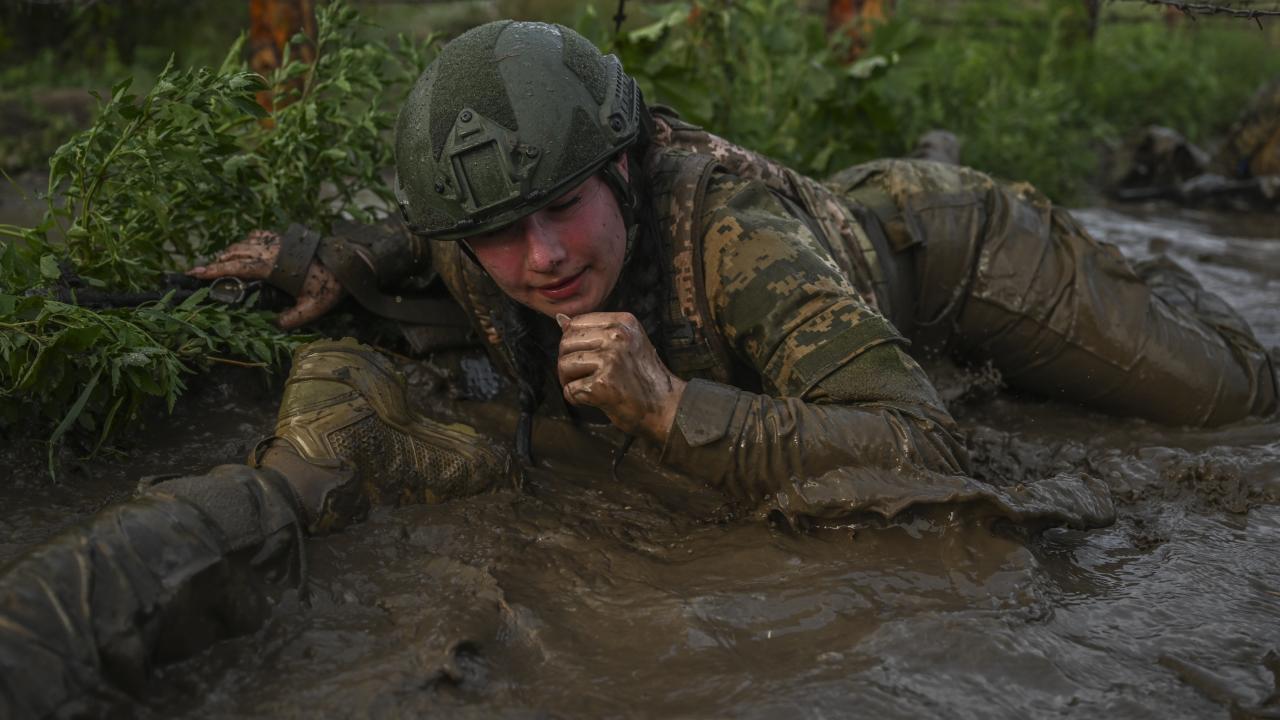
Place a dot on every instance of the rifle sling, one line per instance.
(356, 275)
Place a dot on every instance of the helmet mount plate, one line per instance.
(490, 168)
(508, 117)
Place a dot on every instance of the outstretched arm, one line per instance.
(380, 256)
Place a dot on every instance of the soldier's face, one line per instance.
(564, 258)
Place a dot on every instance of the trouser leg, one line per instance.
(1004, 276)
(84, 617)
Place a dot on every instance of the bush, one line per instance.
(1034, 99)
(1031, 95)
(762, 73)
(162, 179)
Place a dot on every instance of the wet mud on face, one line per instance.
(581, 596)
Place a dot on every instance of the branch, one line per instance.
(619, 16)
(1191, 9)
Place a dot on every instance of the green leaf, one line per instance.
(49, 267)
(79, 339)
(70, 417)
(250, 107)
(117, 90)
(195, 299)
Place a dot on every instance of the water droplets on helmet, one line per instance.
(506, 119)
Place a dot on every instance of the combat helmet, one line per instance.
(510, 116)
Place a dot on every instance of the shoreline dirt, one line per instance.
(582, 596)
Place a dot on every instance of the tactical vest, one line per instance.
(680, 163)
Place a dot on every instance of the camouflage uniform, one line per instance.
(1244, 172)
(994, 272)
(791, 305)
(793, 374)
(1252, 147)
(85, 617)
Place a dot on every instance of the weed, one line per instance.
(164, 178)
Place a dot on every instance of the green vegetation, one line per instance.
(1030, 94)
(52, 53)
(167, 177)
(766, 77)
(1035, 99)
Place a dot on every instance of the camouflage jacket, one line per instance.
(1252, 147)
(800, 390)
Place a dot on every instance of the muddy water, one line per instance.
(585, 596)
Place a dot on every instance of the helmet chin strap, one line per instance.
(627, 201)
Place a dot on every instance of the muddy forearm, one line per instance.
(387, 249)
(751, 445)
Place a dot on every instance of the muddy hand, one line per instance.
(253, 258)
(606, 361)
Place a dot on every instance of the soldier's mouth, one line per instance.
(563, 289)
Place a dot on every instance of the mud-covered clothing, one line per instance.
(85, 617)
(827, 382)
(1252, 147)
(1244, 172)
(778, 292)
(994, 272)
(794, 375)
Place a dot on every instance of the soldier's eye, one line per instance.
(564, 204)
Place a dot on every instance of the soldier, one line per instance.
(1244, 172)
(751, 324)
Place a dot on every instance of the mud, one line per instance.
(583, 596)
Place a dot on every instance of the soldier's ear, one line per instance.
(622, 165)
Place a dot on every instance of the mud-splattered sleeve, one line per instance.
(840, 392)
(395, 256)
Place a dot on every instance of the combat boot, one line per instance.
(346, 439)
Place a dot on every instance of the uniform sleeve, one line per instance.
(394, 256)
(840, 392)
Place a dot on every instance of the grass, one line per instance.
(1034, 99)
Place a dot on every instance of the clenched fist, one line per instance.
(253, 258)
(606, 361)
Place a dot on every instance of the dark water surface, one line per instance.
(582, 596)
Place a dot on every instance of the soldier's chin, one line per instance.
(573, 307)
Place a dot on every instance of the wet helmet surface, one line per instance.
(510, 116)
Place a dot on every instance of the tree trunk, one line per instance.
(272, 23)
(857, 20)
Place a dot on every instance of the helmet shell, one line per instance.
(509, 117)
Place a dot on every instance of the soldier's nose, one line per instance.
(544, 251)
